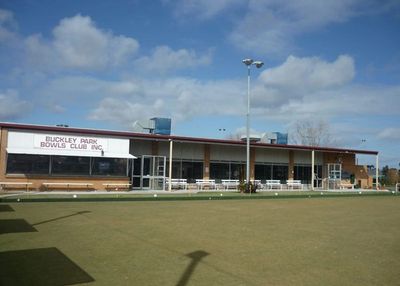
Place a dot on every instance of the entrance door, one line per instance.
(149, 173)
(334, 176)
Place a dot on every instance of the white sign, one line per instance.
(72, 143)
(26, 142)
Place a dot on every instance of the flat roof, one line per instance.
(133, 135)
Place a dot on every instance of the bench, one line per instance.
(230, 183)
(205, 182)
(68, 185)
(271, 184)
(3, 185)
(294, 184)
(117, 186)
(178, 183)
(346, 186)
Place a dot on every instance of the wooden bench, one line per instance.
(116, 186)
(227, 184)
(4, 185)
(178, 183)
(346, 186)
(201, 183)
(291, 184)
(271, 184)
(68, 185)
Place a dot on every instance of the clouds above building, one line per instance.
(12, 106)
(182, 59)
(164, 59)
(77, 43)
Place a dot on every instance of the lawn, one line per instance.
(151, 196)
(318, 241)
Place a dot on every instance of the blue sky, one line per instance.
(105, 64)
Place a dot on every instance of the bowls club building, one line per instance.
(51, 157)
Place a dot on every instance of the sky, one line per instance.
(106, 64)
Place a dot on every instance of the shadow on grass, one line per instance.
(15, 225)
(195, 256)
(61, 217)
(6, 208)
(42, 266)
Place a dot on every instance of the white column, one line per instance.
(377, 172)
(170, 164)
(312, 169)
(248, 128)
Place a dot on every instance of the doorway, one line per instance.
(334, 176)
(148, 173)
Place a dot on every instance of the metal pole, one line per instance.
(248, 129)
(377, 172)
(312, 169)
(170, 165)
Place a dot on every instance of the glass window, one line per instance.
(280, 172)
(70, 165)
(238, 172)
(263, 172)
(109, 166)
(137, 165)
(303, 173)
(319, 171)
(192, 171)
(27, 164)
(219, 171)
(176, 170)
(185, 170)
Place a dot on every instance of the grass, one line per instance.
(220, 195)
(336, 241)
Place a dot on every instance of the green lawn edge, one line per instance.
(186, 197)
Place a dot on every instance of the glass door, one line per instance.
(137, 173)
(149, 173)
(334, 176)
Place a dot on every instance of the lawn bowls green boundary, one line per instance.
(203, 197)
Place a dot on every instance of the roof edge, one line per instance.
(177, 138)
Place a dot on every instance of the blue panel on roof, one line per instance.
(281, 138)
(162, 126)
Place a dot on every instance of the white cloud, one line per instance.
(11, 106)
(124, 101)
(300, 88)
(310, 73)
(165, 59)
(297, 78)
(8, 26)
(40, 55)
(126, 111)
(78, 44)
(270, 26)
(347, 101)
(203, 9)
(186, 98)
(390, 133)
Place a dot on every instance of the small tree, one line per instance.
(311, 133)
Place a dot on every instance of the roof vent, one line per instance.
(252, 137)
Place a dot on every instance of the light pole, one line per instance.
(258, 64)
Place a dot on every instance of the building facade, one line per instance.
(41, 155)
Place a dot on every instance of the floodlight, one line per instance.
(258, 64)
(247, 62)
